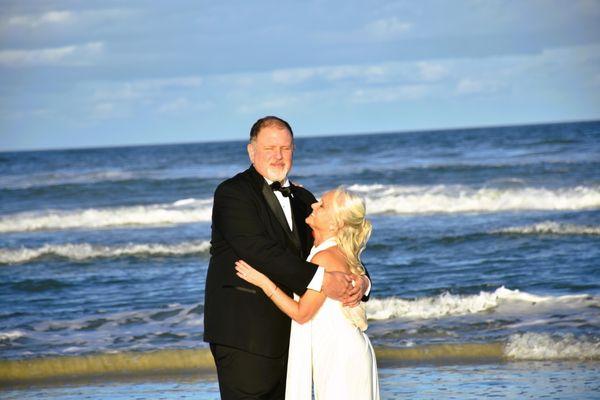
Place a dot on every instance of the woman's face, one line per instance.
(321, 218)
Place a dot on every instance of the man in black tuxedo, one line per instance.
(258, 216)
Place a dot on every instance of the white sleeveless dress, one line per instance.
(331, 352)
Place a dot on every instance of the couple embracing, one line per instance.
(278, 253)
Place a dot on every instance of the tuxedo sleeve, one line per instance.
(236, 217)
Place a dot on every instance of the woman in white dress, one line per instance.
(328, 348)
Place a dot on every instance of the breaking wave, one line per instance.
(448, 304)
(458, 199)
(86, 251)
(180, 212)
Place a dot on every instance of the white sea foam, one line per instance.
(459, 199)
(380, 199)
(179, 212)
(542, 346)
(553, 228)
(448, 304)
(11, 335)
(85, 251)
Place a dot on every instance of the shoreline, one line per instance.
(199, 362)
(523, 379)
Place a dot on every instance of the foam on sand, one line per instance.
(542, 346)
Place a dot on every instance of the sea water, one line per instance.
(485, 250)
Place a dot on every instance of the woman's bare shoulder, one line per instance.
(331, 259)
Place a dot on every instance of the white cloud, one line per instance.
(387, 28)
(293, 75)
(176, 105)
(33, 21)
(367, 73)
(474, 86)
(391, 94)
(104, 110)
(182, 104)
(162, 83)
(73, 19)
(271, 104)
(146, 88)
(430, 71)
(164, 95)
(76, 55)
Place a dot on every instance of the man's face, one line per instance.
(271, 152)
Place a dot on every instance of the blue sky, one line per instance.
(101, 73)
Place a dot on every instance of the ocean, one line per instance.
(484, 259)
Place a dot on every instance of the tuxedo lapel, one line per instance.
(303, 232)
(275, 207)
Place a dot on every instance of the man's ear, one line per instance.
(250, 149)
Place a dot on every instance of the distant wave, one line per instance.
(538, 346)
(458, 199)
(552, 228)
(179, 212)
(92, 176)
(85, 251)
(43, 179)
(448, 304)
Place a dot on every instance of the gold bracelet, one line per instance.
(273, 292)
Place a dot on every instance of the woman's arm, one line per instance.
(301, 311)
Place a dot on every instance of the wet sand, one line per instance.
(511, 380)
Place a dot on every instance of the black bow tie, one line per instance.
(285, 191)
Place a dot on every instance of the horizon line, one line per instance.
(329, 135)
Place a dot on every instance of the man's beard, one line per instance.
(277, 174)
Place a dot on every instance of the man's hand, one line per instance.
(337, 285)
(356, 292)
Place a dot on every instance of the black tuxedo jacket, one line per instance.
(248, 223)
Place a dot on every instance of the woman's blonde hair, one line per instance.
(349, 213)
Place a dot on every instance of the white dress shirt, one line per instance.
(317, 281)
